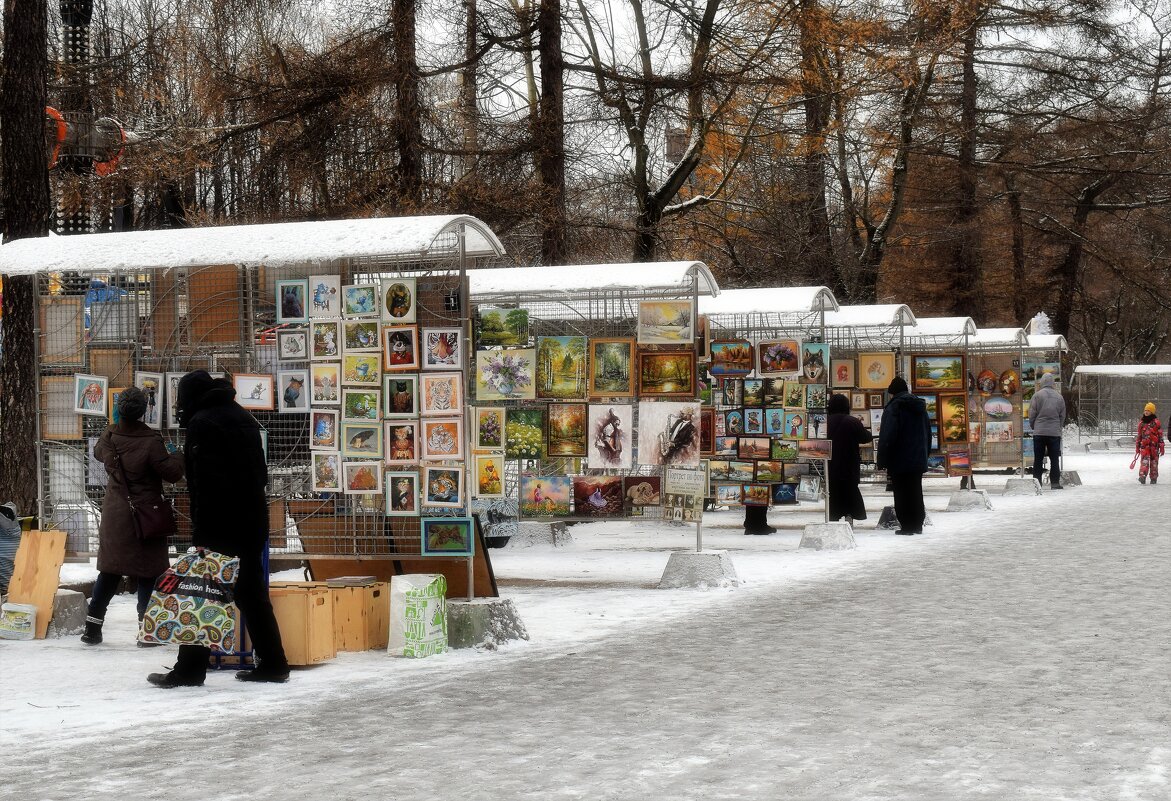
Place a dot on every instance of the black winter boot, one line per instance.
(93, 630)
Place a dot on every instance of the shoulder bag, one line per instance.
(153, 517)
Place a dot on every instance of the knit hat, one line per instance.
(898, 384)
(132, 404)
(1149, 408)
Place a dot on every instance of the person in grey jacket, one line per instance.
(1047, 417)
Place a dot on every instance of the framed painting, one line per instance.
(293, 386)
(730, 392)
(815, 396)
(815, 449)
(361, 405)
(755, 494)
(731, 357)
(814, 363)
(935, 373)
(875, 421)
(151, 385)
(90, 394)
(707, 432)
(443, 487)
(400, 347)
(816, 425)
(774, 421)
(733, 422)
(489, 423)
(441, 393)
(362, 369)
(728, 494)
(597, 496)
(769, 471)
(753, 391)
(448, 536)
(361, 336)
(561, 368)
(254, 391)
(611, 367)
(443, 348)
(740, 470)
(999, 431)
(442, 438)
(402, 441)
(754, 447)
(503, 328)
(545, 496)
(327, 472)
(754, 421)
(778, 357)
(784, 494)
(565, 429)
(115, 393)
(292, 344)
(325, 339)
(875, 370)
(795, 424)
(173, 380)
(323, 430)
(932, 403)
(858, 401)
(397, 300)
(325, 379)
(362, 478)
(506, 374)
(794, 394)
(666, 374)
(292, 300)
(996, 407)
(361, 440)
(62, 321)
(524, 433)
(400, 396)
(809, 488)
(958, 461)
(874, 400)
(489, 481)
(668, 433)
(325, 296)
(360, 300)
(702, 337)
(666, 322)
(725, 446)
(639, 491)
(784, 449)
(953, 418)
(842, 373)
(402, 493)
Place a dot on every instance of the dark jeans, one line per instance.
(1051, 446)
(755, 518)
(106, 587)
(252, 600)
(909, 509)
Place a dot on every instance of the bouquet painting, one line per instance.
(505, 374)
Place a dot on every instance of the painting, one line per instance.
(503, 328)
(362, 478)
(784, 494)
(703, 337)
(740, 470)
(448, 536)
(361, 336)
(90, 394)
(754, 447)
(815, 424)
(734, 422)
(292, 298)
(666, 374)
(524, 433)
(561, 368)
(815, 396)
(728, 494)
(489, 481)
(958, 461)
(443, 487)
(327, 474)
(707, 420)
(441, 393)
(402, 441)
(809, 488)
(1031, 372)
(931, 373)
(731, 357)
(545, 496)
(668, 434)
(753, 391)
(442, 348)
(875, 421)
(400, 396)
(999, 431)
(292, 344)
(489, 428)
(442, 438)
(774, 421)
(364, 405)
(151, 385)
(597, 496)
(666, 322)
(932, 404)
(362, 369)
(253, 391)
(794, 395)
(815, 449)
(725, 446)
(1010, 382)
(608, 430)
(506, 374)
(774, 392)
(324, 383)
(326, 339)
(953, 417)
(114, 394)
(987, 382)
(841, 373)
(173, 380)
(814, 363)
(754, 421)
(293, 386)
(397, 300)
(795, 424)
(778, 357)
(400, 347)
(858, 401)
(361, 440)
(360, 300)
(639, 491)
(784, 449)
(565, 429)
(402, 493)
(755, 494)
(731, 392)
(611, 363)
(998, 407)
(874, 400)
(875, 370)
(325, 296)
(323, 430)
(769, 471)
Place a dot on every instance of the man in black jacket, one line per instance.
(226, 479)
(904, 438)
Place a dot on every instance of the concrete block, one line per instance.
(888, 519)
(1022, 486)
(483, 623)
(1124, 442)
(68, 614)
(529, 533)
(828, 537)
(699, 569)
(1096, 446)
(969, 501)
(1070, 478)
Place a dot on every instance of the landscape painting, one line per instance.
(561, 368)
(506, 328)
(611, 368)
(566, 429)
(666, 374)
(731, 357)
(930, 373)
(524, 433)
(666, 322)
(953, 417)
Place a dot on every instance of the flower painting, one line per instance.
(489, 427)
(506, 374)
(731, 357)
(666, 322)
(524, 433)
(778, 357)
(561, 368)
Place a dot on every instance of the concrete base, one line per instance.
(529, 534)
(828, 537)
(68, 614)
(1070, 478)
(888, 520)
(699, 569)
(1022, 486)
(1095, 446)
(483, 623)
(969, 501)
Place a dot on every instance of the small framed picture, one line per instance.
(173, 380)
(443, 486)
(114, 394)
(363, 369)
(400, 396)
(325, 296)
(398, 300)
(842, 372)
(254, 391)
(294, 391)
(442, 348)
(323, 430)
(858, 401)
(292, 300)
(327, 474)
(489, 422)
(292, 344)
(360, 300)
(361, 440)
(809, 488)
(874, 400)
(362, 478)
(361, 404)
(442, 438)
(325, 339)
(90, 394)
(402, 493)
(361, 336)
(402, 441)
(441, 393)
(400, 347)
(325, 378)
(489, 480)
(755, 494)
(151, 385)
(448, 536)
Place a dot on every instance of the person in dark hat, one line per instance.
(847, 434)
(904, 438)
(146, 463)
(226, 478)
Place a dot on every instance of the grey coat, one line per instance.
(1047, 409)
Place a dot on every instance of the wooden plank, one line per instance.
(37, 574)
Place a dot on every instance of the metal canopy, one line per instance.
(998, 339)
(883, 315)
(1054, 342)
(770, 301)
(942, 332)
(566, 282)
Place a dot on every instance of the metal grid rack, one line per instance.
(1110, 397)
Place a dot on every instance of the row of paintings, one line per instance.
(442, 486)
(806, 362)
(660, 322)
(807, 488)
(769, 448)
(402, 347)
(767, 471)
(394, 441)
(298, 300)
(586, 496)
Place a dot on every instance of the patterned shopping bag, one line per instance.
(192, 603)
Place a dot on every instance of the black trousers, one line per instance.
(1052, 447)
(252, 600)
(755, 518)
(908, 491)
(106, 587)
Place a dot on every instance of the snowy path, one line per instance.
(1023, 653)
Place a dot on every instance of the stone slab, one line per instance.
(1070, 478)
(68, 614)
(1022, 486)
(483, 623)
(828, 537)
(699, 569)
(969, 501)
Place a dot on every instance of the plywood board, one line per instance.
(116, 364)
(58, 420)
(61, 320)
(164, 314)
(214, 303)
(37, 574)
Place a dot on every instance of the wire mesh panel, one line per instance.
(1110, 403)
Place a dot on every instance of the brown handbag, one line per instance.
(153, 517)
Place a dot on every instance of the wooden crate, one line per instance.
(361, 615)
(305, 617)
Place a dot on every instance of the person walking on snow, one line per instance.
(1148, 445)
(904, 436)
(1047, 417)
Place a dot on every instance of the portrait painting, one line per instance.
(151, 385)
(668, 433)
(397, 300)
(842, 373)
(402, 493)
(875, 370)
(609, 431)
(400, 396)
(292, 300)
(90, 394)
(400, 347)
(402, 441)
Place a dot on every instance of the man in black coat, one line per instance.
(226, 479)
(903, 441)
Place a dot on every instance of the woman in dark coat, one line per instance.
(846, 433)
(147, 464)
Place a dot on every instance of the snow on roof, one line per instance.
(944, 327)
(271, 244)
(988, 338)
(1048, 342)
(880, 315)
(578, 278)
(1123, 370)
(770, 300)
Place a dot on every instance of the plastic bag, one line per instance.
(418, 615)
(192, 603)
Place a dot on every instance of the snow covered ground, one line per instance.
(1012, 654)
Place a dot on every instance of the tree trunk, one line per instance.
(550, 135)
(1020, 298)
(968, 295)
(409, 122)
(26, 214)
(816, 101)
